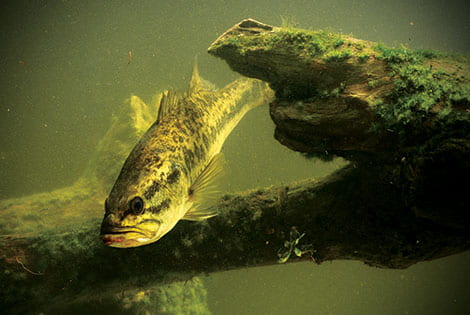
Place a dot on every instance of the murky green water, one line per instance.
(64, 69)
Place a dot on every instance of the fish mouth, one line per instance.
(124, 237)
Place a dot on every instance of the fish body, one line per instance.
(172, 167)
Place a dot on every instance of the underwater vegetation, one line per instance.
(424, 87)
(292, 246)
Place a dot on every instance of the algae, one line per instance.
(422, 92)
(392, 94)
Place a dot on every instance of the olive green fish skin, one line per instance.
(168, 159)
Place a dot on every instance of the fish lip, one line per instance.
(111, 234)
(119, 232)
(116, 238)
(115, 235)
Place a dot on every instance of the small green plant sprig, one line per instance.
(292, 246)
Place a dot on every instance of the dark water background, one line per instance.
(64, 70)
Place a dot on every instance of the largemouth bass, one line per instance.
(171, 169)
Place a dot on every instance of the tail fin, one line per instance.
(196, 84)
(264, 94)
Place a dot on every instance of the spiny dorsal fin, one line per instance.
(169, 100)
(203, 189)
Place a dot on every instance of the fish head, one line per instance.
(137, 225)
(132, 220)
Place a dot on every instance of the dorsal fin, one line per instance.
(169, 100)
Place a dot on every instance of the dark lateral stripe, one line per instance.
(188, 158)
(152, 190)
(205, 140)
(173, 177)
(164, 205)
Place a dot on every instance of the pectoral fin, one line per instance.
(195, 214)
(203, 190)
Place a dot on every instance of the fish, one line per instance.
(175, 165)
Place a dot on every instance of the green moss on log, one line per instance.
(351, 94)
(307, 43)
(424, 88)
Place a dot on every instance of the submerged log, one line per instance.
(372, 210)
(259, 227)
(342, 94)
(408, 110)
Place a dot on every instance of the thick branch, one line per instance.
(344, 95)
(408, 110)
(251, 230)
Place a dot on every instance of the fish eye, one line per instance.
(136, 205)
